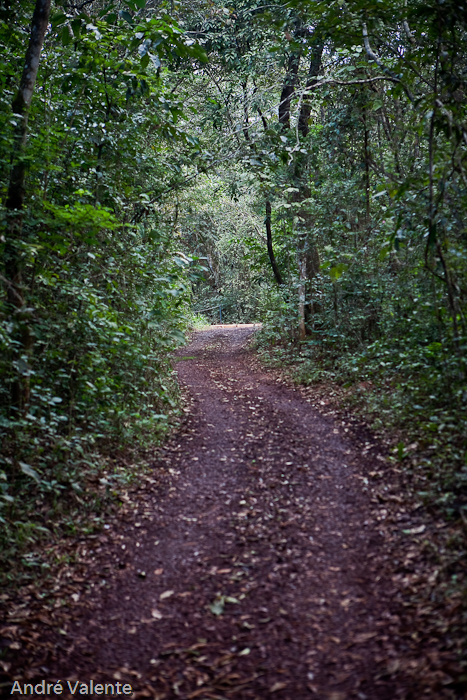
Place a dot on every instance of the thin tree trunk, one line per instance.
(246, 131)
(312, 79)
(272, 258)
(308, 252)
(367, 167)
(302, 295)
(22, 102)
(288, 90)
(16, 193)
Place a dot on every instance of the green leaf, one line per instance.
(400, 451)
(29, 471)
(66, 36)
(76, 27)
(58, 19)
(337, 271)
(126, 15)
(178, 335)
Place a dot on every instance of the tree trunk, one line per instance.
(272, 258)
(312, 79)
(288, 90)
(305, 255)
(367, 167)
(246, 131)
(302, 295)
(308, 256)
(15, 200)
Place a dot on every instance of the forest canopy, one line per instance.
(301, 164)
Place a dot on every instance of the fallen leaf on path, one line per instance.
(217, 608)
(202, 691)
(166, 594)
(158, 572)
(364, 637)
(157, 615)
(277, 686)
(393, 666)
(415, 530)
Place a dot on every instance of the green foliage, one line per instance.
(106, 287)
(225, 234)
(368, 207)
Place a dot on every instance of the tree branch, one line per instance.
(373, 57)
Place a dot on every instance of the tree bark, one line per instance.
(16, 193)
(367, 166)
(246, 131)
(22, 102)
(288, 90)
(308, 256)
(272, 258)
(312, 79)
(302, 295)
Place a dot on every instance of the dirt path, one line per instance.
(258, 570)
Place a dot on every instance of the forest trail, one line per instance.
(259, 569)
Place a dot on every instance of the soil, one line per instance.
(253, 563)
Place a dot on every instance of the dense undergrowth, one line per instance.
(411, 393)
(96, 287)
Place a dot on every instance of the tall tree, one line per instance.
(15, 197)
